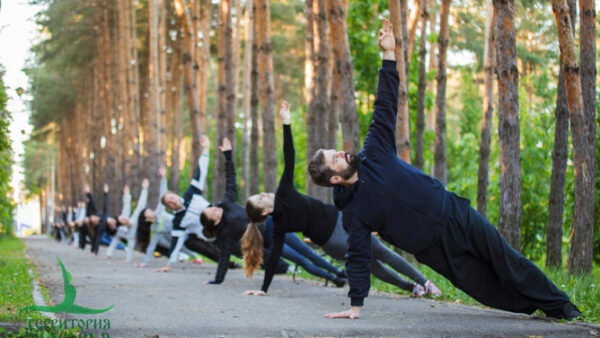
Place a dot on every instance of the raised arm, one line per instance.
(105, 201)
(90, 206)
(199, 180)
(126, 210)
(289, 154)
(141, 203)
(381, 134)
(231, 191)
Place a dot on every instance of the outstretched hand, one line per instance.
(353, 313)
(126, 190)
(105, 188)
(162, 171)
(254, 293)
(225, 145)
(284, 112)
(86, 188)
(204, 143)
(387, 42)
(145, 183)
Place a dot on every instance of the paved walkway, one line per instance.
(147, 303)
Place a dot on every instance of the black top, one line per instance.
(295, 212)
(405, 206)
(233, 221)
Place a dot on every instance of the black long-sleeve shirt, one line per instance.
(295, 212)
(233, 221)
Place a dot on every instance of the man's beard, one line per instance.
(353, 164)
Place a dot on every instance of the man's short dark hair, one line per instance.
(319, 171)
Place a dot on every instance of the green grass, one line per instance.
(584, 291)
(15, 281)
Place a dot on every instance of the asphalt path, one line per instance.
(178, 303)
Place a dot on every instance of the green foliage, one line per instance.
(15, 281)
(37, 163)
(6, 203)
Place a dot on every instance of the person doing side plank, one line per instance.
(322, 223)
(378, 191)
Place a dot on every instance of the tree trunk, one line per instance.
(175, 109)
(402, 123)
(318, 107)
(587, 41)
(226, 97)
(265, 67)
(432, 61)
(254, 118)
(403, 24)
(509, 223)
(488, 112)
(152, 135)
(204, 57)
(560, 154)
(581, 249)
(440, 165)
(133, 89)
(413, 21)
(246, 87)
(309, 50)
(189, 63)
(344, 70)
(422, 85)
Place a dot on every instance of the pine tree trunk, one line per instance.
(133, 90)
(265, 66)
(560, 154)
(204, 57)
(488, 112)
(344, 70)
(318, 107)
(309, 51)
(246, 88)
(254, 118)
(402, 123)
(189, 63)
(587, 41)
(440, 165)
(422, 85)
(413, 21)
(153, 115)
(581, 249)
(226, 97)
(433, 13)
(509, 223)
(175, 109)
(403, 24)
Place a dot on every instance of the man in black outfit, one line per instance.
(378, 191)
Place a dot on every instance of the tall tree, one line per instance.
(318, 107)
(309, 50)
(402, 123)
(440, 165)
(254, 118)
(267, 98)
(587, 41)
(421, 86)
(175, 110)
(189, 63)
(344, 72)
(580, 251)
(488, 111)
(226, 97)
(556, 199)
(509, 223)
(152, 135)
(246, 89)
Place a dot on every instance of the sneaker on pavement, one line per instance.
(569, 312)
(431, 289)
(418, 290)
